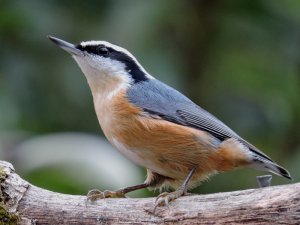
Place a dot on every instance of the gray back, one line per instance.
(163, 101)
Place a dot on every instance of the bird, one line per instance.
(179, 143)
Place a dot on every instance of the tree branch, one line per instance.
(28, 204)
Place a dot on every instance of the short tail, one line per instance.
(260, 163)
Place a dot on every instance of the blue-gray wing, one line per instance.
(162, 101)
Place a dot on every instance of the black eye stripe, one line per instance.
(131, 65)
(95, 49)
(101, 50)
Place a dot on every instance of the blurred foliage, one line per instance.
(239, 60)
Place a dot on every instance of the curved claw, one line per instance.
(161, 195)
(96, 194)
(165, 198)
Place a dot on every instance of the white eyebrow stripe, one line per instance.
(117, 48)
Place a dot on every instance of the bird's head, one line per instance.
(105, 64)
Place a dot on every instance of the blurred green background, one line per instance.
(240, 60)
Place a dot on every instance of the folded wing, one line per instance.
(162, 101)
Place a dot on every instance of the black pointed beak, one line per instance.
(70, 48)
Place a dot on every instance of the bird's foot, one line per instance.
(96, 194)
(166, 197)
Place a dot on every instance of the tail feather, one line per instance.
(260, 163)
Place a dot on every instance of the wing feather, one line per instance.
(164, 102)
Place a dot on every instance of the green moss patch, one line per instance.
(6, 218)
(2, 174)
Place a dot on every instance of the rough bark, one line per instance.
(19, 200)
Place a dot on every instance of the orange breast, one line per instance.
(164, 147)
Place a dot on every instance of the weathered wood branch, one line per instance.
(29, 204)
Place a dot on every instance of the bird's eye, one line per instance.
(102, 51)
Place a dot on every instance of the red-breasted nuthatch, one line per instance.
(156, 126)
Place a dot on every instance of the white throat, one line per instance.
(105, 78)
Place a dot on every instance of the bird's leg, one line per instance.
(164, 198)
(96, 194)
